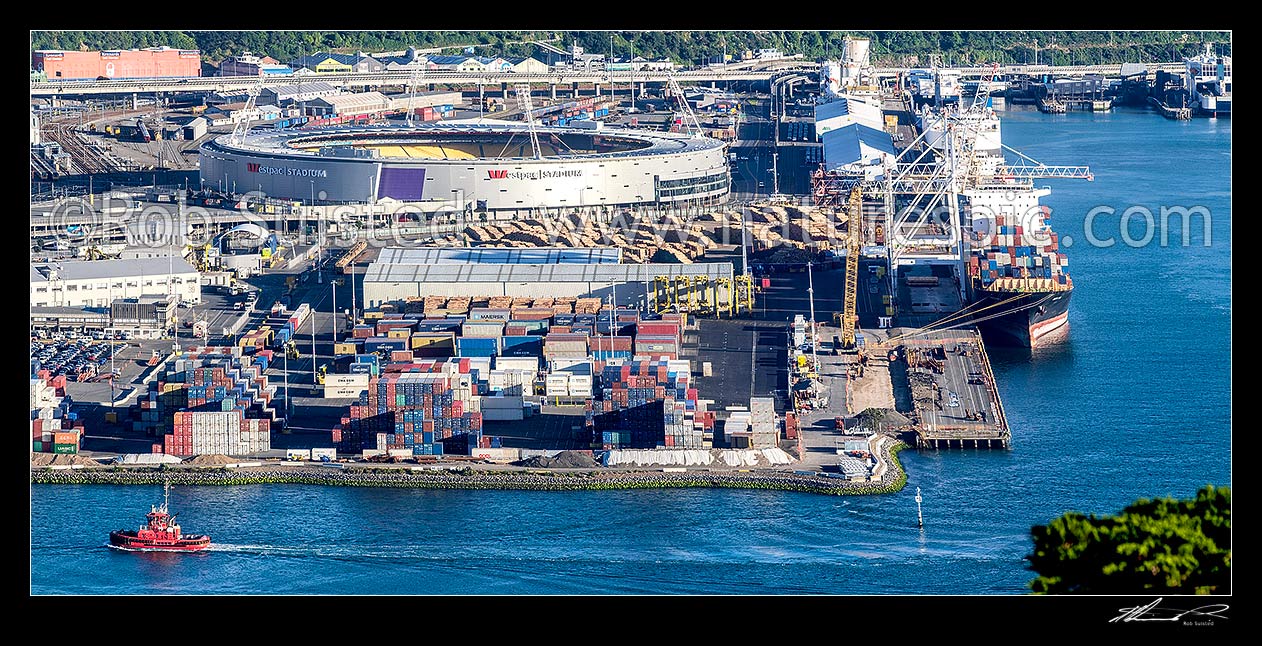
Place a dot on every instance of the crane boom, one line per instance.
(850, 316)
(527, 109)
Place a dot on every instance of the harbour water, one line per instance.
(1135, 402)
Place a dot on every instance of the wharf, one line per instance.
(952, 387)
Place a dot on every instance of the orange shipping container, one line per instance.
(66, 438)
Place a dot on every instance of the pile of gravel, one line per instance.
(211, 460)
(60, 459)
(562, 460)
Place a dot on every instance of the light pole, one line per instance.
(286, 372)
(333, 325)
(313, 350)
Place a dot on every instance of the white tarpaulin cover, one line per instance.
(148, 458)
(694, 457)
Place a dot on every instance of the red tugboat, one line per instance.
(161, 534)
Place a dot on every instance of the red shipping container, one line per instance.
(464, 366)
(155, 448)
(657, 329)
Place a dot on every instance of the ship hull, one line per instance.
(1034, 319)
(128, 541)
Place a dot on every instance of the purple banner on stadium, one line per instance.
(405, 184)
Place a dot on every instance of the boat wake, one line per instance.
(154, 549)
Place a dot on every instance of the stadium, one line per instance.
(471, 166)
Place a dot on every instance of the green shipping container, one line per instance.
(37, 446)
(65, 448)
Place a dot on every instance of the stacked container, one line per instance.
(222, 382)
(645, 401)
(416, 408)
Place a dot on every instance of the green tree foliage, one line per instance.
(1162, 546)
(888, 47)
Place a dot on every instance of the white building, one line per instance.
(98, 283)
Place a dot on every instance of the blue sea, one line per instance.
(1135, 403)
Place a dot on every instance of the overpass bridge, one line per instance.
(54, 88)
(735, 72)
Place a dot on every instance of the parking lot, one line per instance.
(78, 359)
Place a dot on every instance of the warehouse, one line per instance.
(96, 283)
(856, 148)
(248, 64)
(845, 111)
(632, 284)
(499, 256)
(333, 63)
(348, 104)
(154, 62)
(467, 166)
(416, 100)
(287, 95)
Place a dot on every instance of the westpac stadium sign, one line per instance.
(289, 172)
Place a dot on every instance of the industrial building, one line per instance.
(474, 166)
(289, 95)
(153, 62)
(500, 256)
(147, 317)
(96, 283)
(844, 111)
(631, 285)
(248, 64)
(415, 100)
(331, 63)
(853, 136)
(348, 104)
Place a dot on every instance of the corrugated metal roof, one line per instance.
(382, 273)
(854, 143)
(448, 60)
(499, 255)
(351, 102)
(861, 112)
(315, 87)
(90, 269)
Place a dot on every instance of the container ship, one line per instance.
(1019, 284)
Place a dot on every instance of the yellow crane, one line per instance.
(850, 315)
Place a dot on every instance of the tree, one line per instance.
(871, 419)
(1153, 546)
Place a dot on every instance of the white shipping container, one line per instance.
(530, 364)
(402, 453)
(343, 392)
(496, 455)
(562, 362)
(316, 454)
(346, 381)
(296, 454)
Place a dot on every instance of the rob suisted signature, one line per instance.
(1151, 612)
